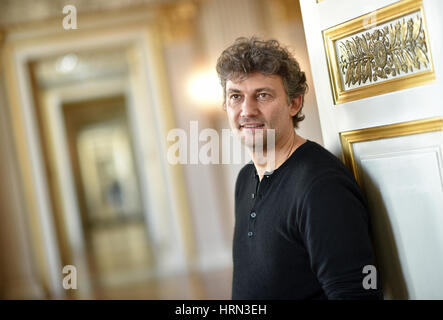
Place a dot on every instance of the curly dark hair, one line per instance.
(250, 55)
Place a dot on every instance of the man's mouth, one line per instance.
(251, 125)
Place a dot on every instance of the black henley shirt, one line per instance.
(301, 232)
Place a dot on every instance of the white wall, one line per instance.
(403, 204)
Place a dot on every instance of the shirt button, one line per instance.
(249, 234)
(253, 214)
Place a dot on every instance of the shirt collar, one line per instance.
(269, 174)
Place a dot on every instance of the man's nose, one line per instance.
(249, 107)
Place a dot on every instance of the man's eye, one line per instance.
(264, 95)
(235, 96)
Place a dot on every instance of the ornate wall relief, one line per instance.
(391, 54)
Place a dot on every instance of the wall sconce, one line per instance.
(205, 90)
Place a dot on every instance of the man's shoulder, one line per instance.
(314, 160)
(315, 165)
(247, 169)
(245, 175)
(320, 168)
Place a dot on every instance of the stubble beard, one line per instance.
(262, 150)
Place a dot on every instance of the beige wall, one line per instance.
(18, 275)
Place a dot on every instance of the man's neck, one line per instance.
(282, 153)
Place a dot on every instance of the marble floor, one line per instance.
(214, 285)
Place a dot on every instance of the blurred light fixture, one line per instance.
(205, 90)
(66, 63)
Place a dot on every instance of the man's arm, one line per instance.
(334, 226)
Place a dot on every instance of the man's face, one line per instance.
(258, 103)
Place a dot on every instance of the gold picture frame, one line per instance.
(348, 138)
(383, 51)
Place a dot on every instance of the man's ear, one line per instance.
(295, 105)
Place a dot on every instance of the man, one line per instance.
(301, 221)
